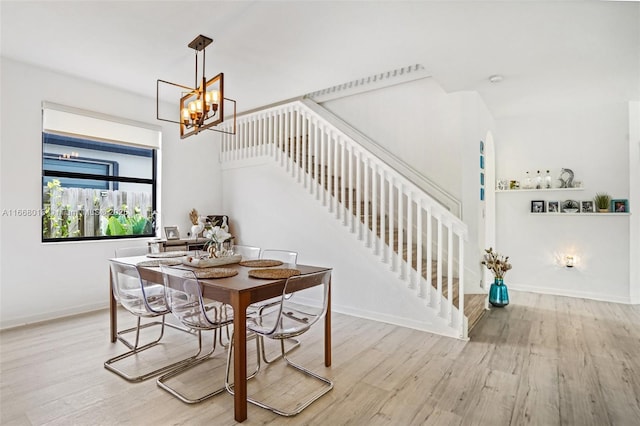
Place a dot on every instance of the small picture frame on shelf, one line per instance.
(620, 206)
(587, 206)
(553, 206)
(570, 206)
(538, 206)
(514, 184)
(171, 232)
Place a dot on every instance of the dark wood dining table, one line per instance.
(239, 292)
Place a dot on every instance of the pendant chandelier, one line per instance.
(200, 107)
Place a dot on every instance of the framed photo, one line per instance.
(514, 184)
(553, 206)
(538, 206)
(172, 232)
(570, 206)
(587, 206)
(620, 206)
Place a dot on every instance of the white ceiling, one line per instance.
(550, 53)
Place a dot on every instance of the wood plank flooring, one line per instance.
(542, 360)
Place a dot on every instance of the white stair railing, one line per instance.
(404, 226)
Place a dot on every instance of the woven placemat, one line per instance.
(261, 263)
(166, 254)
(215, 273)
(158, 262)
(273, 273)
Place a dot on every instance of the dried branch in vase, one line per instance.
(496, 263)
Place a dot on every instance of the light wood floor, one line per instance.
(543, 360)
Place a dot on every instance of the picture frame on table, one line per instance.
(172, 232)
(587, 206)
(538, 206)
(553, 206)
(620, 205)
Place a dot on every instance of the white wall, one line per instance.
(413, 121)
(40, 281)
(592, 141)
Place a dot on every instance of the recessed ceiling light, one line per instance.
(496, 78)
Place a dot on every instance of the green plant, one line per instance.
(119, 223)
(602, 201)
(56, 219)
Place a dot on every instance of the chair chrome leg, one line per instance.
(295, 344)
(162, 380)
(109, 364)
(229, 386)
(303, 405)
(140, 326)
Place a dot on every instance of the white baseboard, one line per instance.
(52, 315)
(568, 293)
(429, 327)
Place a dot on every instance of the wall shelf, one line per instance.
(580, 214)
(539, 190)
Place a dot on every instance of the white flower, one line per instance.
(217, 234)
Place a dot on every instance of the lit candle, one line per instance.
(569, 261)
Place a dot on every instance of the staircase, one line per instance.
(420, 240)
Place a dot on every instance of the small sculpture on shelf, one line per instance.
(198, 223)
(547, 180)
(566, 178)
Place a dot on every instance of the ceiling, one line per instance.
(550, 53)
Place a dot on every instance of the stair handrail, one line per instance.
(437, 192)
(283, 132)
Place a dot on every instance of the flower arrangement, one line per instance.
(216, 236)
(496, 263)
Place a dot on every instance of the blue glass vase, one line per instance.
(498, 294)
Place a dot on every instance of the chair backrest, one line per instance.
(247, 252)
(184, 298)
(132, 251)
(285, 256)
(136, 295)
(295, 318)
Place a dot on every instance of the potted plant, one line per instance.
(602, 201)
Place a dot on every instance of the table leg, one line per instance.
(239, 303)
(113, 311)
(327, 330)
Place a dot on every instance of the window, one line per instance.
(95, 188)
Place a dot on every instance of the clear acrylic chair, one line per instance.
(247, 252)
(185, 300)
(144, 300)
(132, 251)
(288, 319)
(286, 256)
(152, 289)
